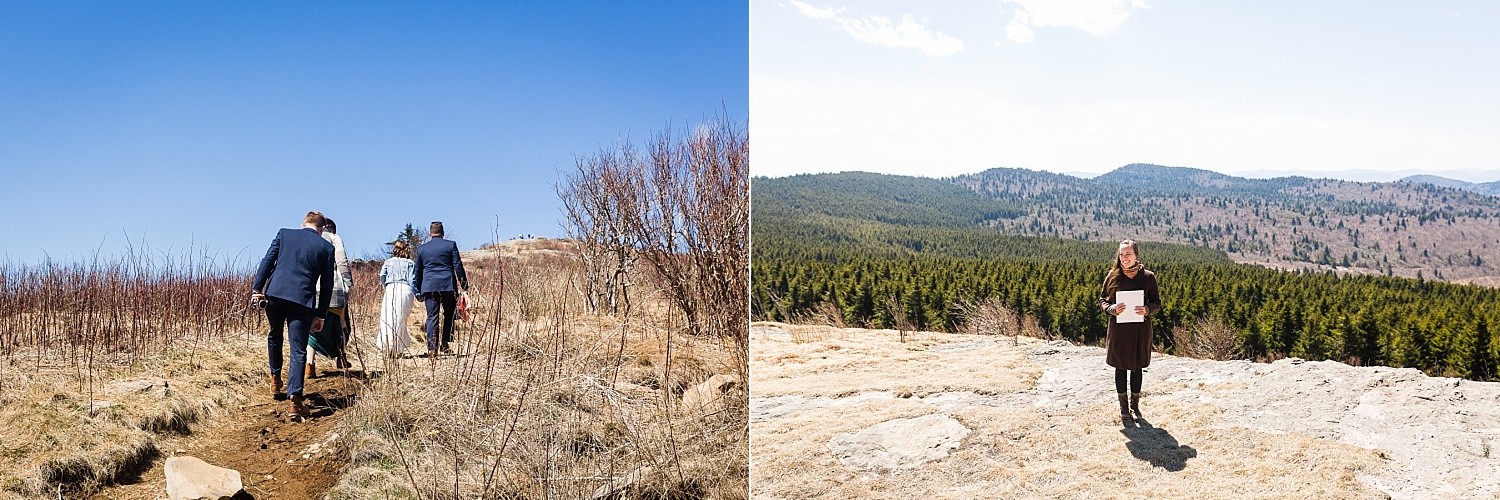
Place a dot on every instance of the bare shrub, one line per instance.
(550, 402)
(992, 317)
(988, 317)
(596, 204)
(114, 311)
(1209, 337)
(902, 321)
(682, 208)
(822, 313)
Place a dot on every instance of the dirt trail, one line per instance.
(276, 457)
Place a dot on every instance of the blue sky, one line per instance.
(1354, 89)
(209, 125)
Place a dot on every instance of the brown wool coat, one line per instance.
(1129, 344)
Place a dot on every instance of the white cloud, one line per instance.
(1018, 31)
(815, 12)
(1096, 17)
(880, 30)
(831, 125)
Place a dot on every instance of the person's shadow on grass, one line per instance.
(1156, 445)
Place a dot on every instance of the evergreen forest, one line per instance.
(912, 251)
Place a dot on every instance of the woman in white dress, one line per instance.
(397, 276)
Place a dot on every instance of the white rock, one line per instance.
(903, 443)
(189, 478)
(706, 395)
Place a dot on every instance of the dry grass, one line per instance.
(52, 441)
(1015, 449)
(548, 401)
(791, 453)
(68, 331)
(832, 363)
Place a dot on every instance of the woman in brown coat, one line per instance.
(1129, 345)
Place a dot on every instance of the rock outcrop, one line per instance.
(189, 478)
(705, 396)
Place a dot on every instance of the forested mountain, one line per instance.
(895, 199)
(1398, 229)
(1486, 188)
(819, 248)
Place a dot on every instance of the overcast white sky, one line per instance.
(1368, 90)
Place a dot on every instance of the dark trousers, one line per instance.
(1135, 380)
(300, 318)
(449, 302)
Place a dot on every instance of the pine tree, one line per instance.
(411, 235)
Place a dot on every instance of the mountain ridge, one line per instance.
(1487, 188)
(1400, 228)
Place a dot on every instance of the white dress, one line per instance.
(397, 275)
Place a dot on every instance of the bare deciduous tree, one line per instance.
(597, 203)
(682, 209)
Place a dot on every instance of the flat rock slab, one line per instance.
(903, 443)
(189, 478)
(152, 386)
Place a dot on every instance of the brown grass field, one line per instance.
(1034, 428)
(543, 399)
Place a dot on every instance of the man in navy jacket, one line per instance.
(440, 273)
(288, 279)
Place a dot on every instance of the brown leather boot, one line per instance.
(275, 382)
(1135, 406)
(312, 368)
(1124, 407)
(298, 410)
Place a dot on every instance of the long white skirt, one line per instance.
(394, 309)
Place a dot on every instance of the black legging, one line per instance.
(1135, 380)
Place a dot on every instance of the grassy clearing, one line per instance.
(76, 433)
(547, 400)
(99, 358)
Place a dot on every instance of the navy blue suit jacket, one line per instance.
(438, 264)
(297, 260)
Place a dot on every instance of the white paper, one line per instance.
(1131, 299)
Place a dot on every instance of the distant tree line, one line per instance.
(870, 273)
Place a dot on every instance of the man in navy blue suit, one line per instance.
(440, 273)
(287, 286)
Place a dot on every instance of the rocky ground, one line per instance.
(847, 412)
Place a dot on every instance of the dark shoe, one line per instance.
(276, 387)
(446, 349)
(342, 363)
(1124, 407)
(298, 410)
(1135, 405)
